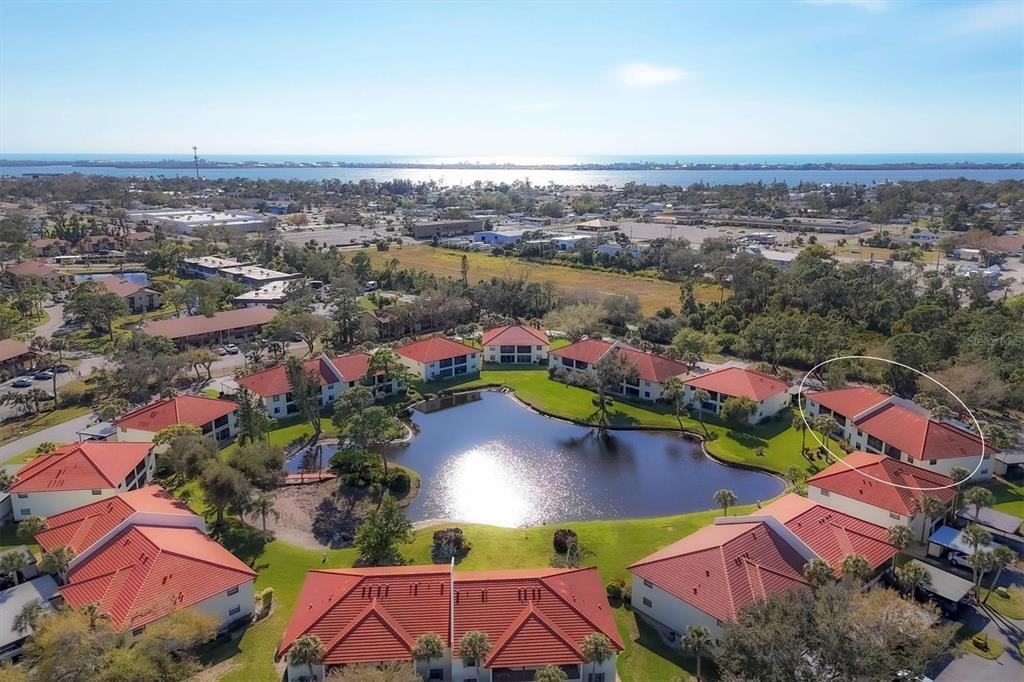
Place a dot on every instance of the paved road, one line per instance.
(970, 668)
(65, 432)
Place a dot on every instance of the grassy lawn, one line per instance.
(652, 293)
(37, 422)
(1011, 606)
(1009, 496)
(615, 544)
(993, 651)
(780, 442)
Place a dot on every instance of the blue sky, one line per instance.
(485, 79)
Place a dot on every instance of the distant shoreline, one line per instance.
(175, 164)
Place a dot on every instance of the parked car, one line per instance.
(231, 349)
(45, 375)
(220, 350)
(23, 382)
(61, 369)
(959, 559)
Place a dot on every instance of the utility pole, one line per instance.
(195, 155)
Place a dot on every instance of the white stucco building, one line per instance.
(515, 344)
(769, 394)
(439, 358)
(652, 369)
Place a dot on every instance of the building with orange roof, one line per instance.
(144, 572)
(214, 417)
(76, 474)
(515, 344)
(711, 575)
(138, 297)
(770, 394)
(652, 369)
(335, 375)
(533, 618)
(876, 422)
(226, 326)
(882, 490)
(33, 269)
(14, 356)
(438, 358)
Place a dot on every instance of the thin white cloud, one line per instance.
(868, 5)
(645, 75)
(986, 18)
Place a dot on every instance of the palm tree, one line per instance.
(28, 617)
(93, 614)
(429, 647)
(941, 412)
(262, 504)
(36, 395)
(912, 575)
(977, 537)
(596, 649)
(30, 527)
(11, 562)
(959, 475)
(674, 389)
(794, 475)
(473, 647)
(930, 506)
(58, 560)
(856, 567)
(1002, 557)
(724, 498)
(800, 425)
(59, 345)
(825, 425)
(982, 561)
(818, 572)
(701, 396)
(697, 640)
(307, 650)
(551, 673)
(899, 537)
(978, 497)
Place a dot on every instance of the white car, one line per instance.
(220, 350)
(959, 559)
(231, 349)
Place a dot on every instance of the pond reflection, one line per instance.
(494, 461)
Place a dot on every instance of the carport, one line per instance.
(1002, 526)
(947, 589)
(949, 538)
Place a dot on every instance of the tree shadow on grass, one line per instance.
(335, 520)
(244, 541)
(747, 439)
(650, 638)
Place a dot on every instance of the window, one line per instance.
(825, 493)
(277, 398)
(540, 347)
(96, 491)
(894, 515)
(233, 590)
(933, 462)
(234, 610)
(508, 349)
(567, 362)
(22, 496)
(648, 583)
(647, 602)
(138, 631)
(469, 663)
(447, 362)
(26, 512)
(595, 677)
(436, 674)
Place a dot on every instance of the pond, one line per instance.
(133, 277)
(497, 462)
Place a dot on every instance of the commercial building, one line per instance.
(207, 266)
(499, 236)
(515, 344)
(188, 220)
(228, 326)
(446, 228)
(571, 242)
(598, 225)
(876, 422)
(73, 475)
(881, 490)
(213, 417)
(254, 276)
(335, 375)
(138, 297)
(533, 618)
(274, 294)
(439, 358)
(770, 394)
(652, 369)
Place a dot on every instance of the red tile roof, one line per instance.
(12, 348)
(854, 478)
(918, 436)
(848, 402)
(651, 367)
(722, 568)
(532, 616)
(514, 335)
(196, 410)
(434, 349)
(274, 381)
(146, 572)
(80, 466)
(30, 268)
(830, 533)
(739, 382)
(80, 528)
(122, 287)
(193, 325)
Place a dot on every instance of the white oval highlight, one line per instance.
(800, 405)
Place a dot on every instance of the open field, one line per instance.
(652, 293)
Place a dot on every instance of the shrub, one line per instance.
(267, 597)
(357, 468)
(980, 640)
(614, 589)
(449, 543)
(399, 482)
(74, 394)
(563, 539)
(627, 594)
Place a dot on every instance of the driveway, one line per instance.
(970, 668)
